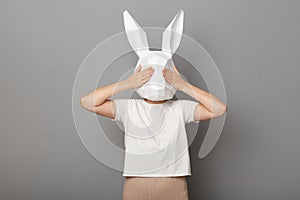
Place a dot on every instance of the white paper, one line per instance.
(157, 88)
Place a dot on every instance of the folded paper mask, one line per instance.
(156, 88)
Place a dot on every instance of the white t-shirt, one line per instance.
(156, 143)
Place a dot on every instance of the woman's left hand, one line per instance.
(174, 78)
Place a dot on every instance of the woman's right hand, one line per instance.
(139, 78)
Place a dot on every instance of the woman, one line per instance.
(152, 178)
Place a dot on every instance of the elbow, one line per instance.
(223, 109)
(83, 103)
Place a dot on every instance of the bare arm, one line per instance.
(98, 100)
(209, 106)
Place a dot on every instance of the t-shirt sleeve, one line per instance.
(121, 109)
(188, 108)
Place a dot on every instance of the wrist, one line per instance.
(183, 86)
(125, 84)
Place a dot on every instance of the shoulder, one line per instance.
(186, 101)
(178, 102)
(186, 104)
(127, 101)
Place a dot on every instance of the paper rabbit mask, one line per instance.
(156, 88)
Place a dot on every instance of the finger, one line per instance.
(148, 75)
(138, 69)
(174, 67)
(168, 72)
(165, 71)
(145, 80)
(149, 69)
(166, 79)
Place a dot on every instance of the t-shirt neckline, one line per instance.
(152, 104)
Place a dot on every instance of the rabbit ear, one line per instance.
(173, 33)
(135, 35)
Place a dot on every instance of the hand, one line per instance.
(139, 78)
(174, 78)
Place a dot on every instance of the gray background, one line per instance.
(254, 43)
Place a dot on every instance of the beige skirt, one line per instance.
(155, 188)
